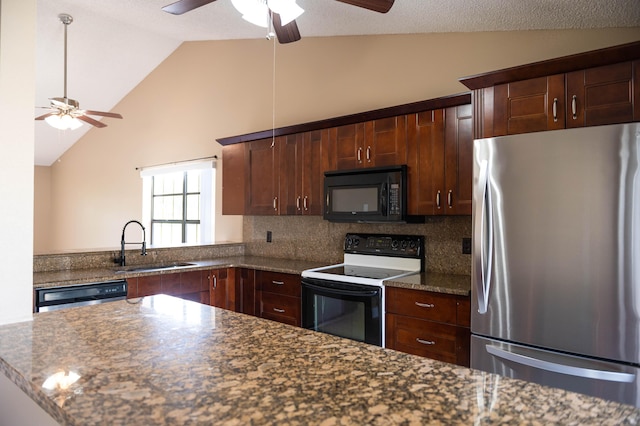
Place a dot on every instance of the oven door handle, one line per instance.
(342, 292)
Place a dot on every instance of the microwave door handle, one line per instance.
(383, 199)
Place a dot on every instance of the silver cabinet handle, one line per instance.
(298, 202)
(369, 154)
(278, 282)
(215, 281)
(359, 155)
(275, 203)
(279, 310)
(438, 199)
(425, 305)
(574, 107)
(327, 200)
(450, 198)
(425, 342)
(305, 203)
(554, 108)
(612, 376)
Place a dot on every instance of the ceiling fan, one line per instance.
(286, 29)
(66, 113)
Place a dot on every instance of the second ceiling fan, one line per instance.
(286, 30)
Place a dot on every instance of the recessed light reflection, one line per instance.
(61, 380)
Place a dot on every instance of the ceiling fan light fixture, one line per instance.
(63, 122)
(287, 9)
(254, 11)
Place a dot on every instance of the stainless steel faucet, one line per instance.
(122, 241)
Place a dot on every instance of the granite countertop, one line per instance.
(429, 281)
(164, 360)
(81, 276)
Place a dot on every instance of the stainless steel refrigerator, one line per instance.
(556, 259)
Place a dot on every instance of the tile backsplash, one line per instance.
(312, 238)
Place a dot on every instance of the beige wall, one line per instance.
(17, 92)
(207, 90)
(42, 209)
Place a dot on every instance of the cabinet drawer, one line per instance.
(421, 337)
(275, 282)
(280, 308)
(422, 304)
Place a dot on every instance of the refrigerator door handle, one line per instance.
(589, 373)
(483, 258)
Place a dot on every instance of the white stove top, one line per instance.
(364, 269)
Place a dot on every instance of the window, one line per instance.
(178, 203)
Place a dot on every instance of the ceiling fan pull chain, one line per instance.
(273, 98)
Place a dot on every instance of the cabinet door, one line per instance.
(290, 174)
(385, 142)
(532, 105)
(312, 168)
(222, 288)
(602, 95)
(458, 177)
(245, 291)
(149, 285)
(234, 185)
(347, 143)
(425, 162)
(262, 165)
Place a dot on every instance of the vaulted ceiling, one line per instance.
(114, 44)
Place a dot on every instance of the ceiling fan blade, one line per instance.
(102, 114)
(381, 6)
(182, 6)
(49, 114)
(285, 33)
(91, 121)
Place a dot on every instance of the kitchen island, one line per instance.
(163, 360)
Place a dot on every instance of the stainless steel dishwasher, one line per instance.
(54, 298)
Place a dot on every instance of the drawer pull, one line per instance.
(425, 342)
(278, 282)
(425, 305)
(281, 311)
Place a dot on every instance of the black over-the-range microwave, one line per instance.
(376, 194)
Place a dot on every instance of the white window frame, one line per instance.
(207, 194)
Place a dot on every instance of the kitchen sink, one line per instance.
(152, 268)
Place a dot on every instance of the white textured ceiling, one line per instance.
(119, 42)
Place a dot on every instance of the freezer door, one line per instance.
(608, 380)
(556, 226)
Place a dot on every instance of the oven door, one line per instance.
(353, 311)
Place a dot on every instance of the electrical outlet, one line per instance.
(466, 246)
(268, 236)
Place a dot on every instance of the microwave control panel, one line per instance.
(394, 199)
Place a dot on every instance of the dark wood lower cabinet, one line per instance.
(246, 296)
(432, 325)
(279, 297)
(188, 285)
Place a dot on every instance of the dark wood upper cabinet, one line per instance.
(458, 158)
(374, 143)
(587, 89)
(262, 165)
(602, 95)
(285, 175)
(425, 161)
(302, 172)
(440, 161)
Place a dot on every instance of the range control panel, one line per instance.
(411, 246)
